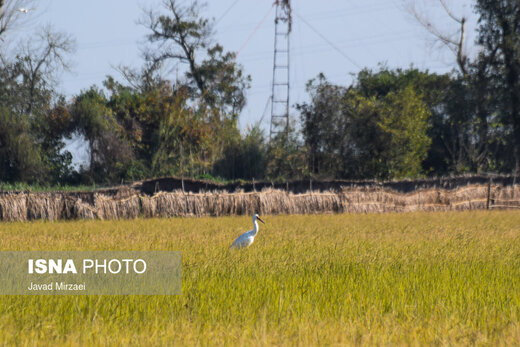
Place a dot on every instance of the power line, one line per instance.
(357, 42)
(317, 16)
(219, 77)
(105, 44)
(349, 13)
(327, 40)
(265, 109)
(226, 12)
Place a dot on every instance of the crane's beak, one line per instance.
(260, 220)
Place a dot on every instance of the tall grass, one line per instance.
(416, 278)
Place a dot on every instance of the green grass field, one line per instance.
(418, 278)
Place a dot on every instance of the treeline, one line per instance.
(389, 123)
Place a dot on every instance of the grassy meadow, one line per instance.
(405, 279)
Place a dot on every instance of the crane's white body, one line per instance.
(247, 238)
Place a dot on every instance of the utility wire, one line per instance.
(226, 12)
(219, 77)
(348, 13)
(357, 42)
(327, 40)
(265, 109)
(316, 16)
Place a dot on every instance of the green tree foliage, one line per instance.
(180, 127)
(184, 36)
(109, 153)
(20, 158)
(365, 131)
(433, 90)
(184, 142)
(51, 127)
(178, 113)
(286, 157)
(404, 121)
(34, 117)
(137, 133)
(323, 127)
(499, 35)
(466, 134)
(244, 158)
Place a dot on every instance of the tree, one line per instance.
(110, 154)
(31, 106)
(184, 140)
(51, 128)
(372, 129)
(286, 157)
(404, 120)
(323, 126)
(456, 43)
(499, 35)
(244, 158)
(10, 16)
(164, 133)
(183, 36)
(20, 159)
(468, 128)
(464, 128)
(42, 59)
(28, 79)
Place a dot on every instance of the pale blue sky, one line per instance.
(369, 32)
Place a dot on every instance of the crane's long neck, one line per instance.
(255, 229)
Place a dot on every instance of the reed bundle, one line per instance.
(13, 207)
(132, 204)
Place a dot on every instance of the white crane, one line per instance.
(247, 238)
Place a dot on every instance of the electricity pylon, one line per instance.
(281, 85)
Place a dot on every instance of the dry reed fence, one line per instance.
(131, 204)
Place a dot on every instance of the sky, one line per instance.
(359, 34)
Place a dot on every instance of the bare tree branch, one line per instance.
(449, 12)
(456, 43)
(12, 16)
(178, 35)
(43, 58)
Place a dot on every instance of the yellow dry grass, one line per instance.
(448, 278)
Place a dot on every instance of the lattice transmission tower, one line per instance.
(281, 85)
